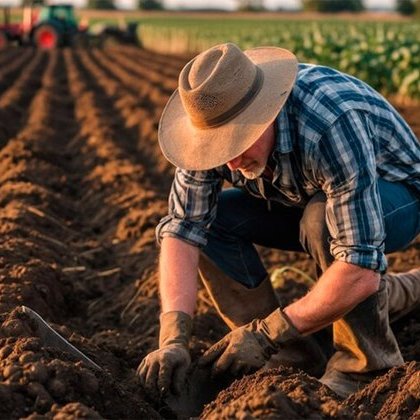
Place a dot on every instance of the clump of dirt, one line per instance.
(395, 395)
(71, 410)
(277, 393)
(39, 379)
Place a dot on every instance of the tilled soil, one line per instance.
(82, 186)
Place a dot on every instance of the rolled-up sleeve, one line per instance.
(347, 169)
(191, 206)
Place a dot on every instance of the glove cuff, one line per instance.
(277, 328)
(175, 328)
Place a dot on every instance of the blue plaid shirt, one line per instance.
(335, 134)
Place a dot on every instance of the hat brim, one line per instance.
(192, 148)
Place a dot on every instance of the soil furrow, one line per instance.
(141, 107)
(10, 70)
(135, 82)
(155, 91)
(46, 286)
(15, 101)
(141, 148)
(173, 62)
(129, 212)
(8, 55)
(159, 83)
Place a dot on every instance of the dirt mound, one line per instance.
(395, 395)
(71, 410)
(277, 393)
(42, 379)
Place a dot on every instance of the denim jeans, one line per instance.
(243, 220)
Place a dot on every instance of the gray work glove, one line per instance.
(165, 369)
(249, 347)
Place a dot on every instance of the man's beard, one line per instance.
(254, 172)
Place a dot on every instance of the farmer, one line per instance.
(319, 163)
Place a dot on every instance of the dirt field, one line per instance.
(82, 186)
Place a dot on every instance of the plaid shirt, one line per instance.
(335, 134)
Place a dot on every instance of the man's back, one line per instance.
(321, 96)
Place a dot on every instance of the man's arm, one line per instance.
(165, 369)
(346, 172)
(247, 348)
(178, 275)
(339, 290)
(192, 208)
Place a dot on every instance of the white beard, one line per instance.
(256, 172)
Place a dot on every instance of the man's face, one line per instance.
(253, 161)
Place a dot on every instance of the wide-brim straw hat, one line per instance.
(226, 98)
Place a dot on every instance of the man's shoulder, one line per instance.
(323, 75)
(324, 83)
(322, 94)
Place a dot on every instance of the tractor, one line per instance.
(55, 26)
(47, 27)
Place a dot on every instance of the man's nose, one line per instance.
(235, 163)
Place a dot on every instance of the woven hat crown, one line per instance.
(217, 85)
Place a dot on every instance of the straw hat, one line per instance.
(225, 100)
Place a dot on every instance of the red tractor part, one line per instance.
(46, 37)
(9, 32)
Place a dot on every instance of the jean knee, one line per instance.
(313, 228)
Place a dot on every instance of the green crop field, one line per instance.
(384, 54)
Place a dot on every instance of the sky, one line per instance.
(222, 4)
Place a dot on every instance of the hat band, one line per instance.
(237, 108)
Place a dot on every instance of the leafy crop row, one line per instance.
(384, 54)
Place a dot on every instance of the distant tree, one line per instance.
(406, 7)
(250, 5)
(32, 2)
(150, 5)
(332, 6)
(101, 4)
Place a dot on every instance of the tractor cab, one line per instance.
(63, 13)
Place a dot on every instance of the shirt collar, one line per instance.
(284, 142)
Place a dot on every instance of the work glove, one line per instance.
(249, 347)
(165, 369)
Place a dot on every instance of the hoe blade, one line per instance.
(52, 338)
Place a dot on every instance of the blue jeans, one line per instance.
(243, 220)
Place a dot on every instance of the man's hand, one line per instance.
(247, 348)
(239, 352)
(165, 369)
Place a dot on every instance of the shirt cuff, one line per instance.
(182, 229)
(369, 257)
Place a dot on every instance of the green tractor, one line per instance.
(55, 26)
(44, 26)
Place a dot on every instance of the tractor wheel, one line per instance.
(4, 41)
(46, 37)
